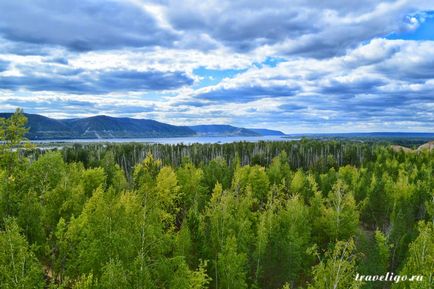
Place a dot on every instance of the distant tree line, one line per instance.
(304, 154)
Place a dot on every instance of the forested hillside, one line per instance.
(307, 214)
(103, 127)
(100, 126)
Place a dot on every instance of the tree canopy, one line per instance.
(303, 214)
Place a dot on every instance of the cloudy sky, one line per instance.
(298, 66)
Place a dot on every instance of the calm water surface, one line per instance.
(174, 140)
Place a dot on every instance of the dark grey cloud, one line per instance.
(362, 85)
(81, 25)
(336, 40)
(348, 120)
(414, 71)
(243, 27)
(45, 83)
(98, 83)
(351, 103)
(28, 104)
(341, 110)
(291, 107)
(73, 106)
(22, 48)
(193, 103)
(307, 28)
(314, 28)
(49, 67)
(143, 80)
(58, 60)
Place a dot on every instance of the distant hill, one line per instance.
(42, 127)
(263, 131)
(427, 146)
(45, 128)
(112, 127)
(222, 130)
(398, 148)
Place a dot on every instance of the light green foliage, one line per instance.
(282, 251)
(382, 251)
(231, 266)
(113, 276)
(377, 206)
(298, 183)
(190, 181)
(12, 129)
(279, 171)
(145, 174)
(45, 174)
(338, 268)
(84, 282)
(227, 218)
(217, 171)
(338, 218)
(92, 179)
(5, 198)
(349, 175)
(69, 196)
(420, 259)
(30, 218)
(199, 278)
(19, 267)
(327, 180)
(66, 199)
(61, 251)
(254, 177)
(303, 185)
(106, 229)
(402, 217)
(183, 243)
(375, 256)
(168, 195)
(114, 175)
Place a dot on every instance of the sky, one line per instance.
(297, 66)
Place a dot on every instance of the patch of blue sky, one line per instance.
(424, 31)
(270, 62)
(211, 77)
(273, 61)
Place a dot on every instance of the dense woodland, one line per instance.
(305, 214)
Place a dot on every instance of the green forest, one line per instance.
(306, 214)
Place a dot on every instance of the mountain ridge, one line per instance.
(103, 127)
(265, 131)
(222, 129)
